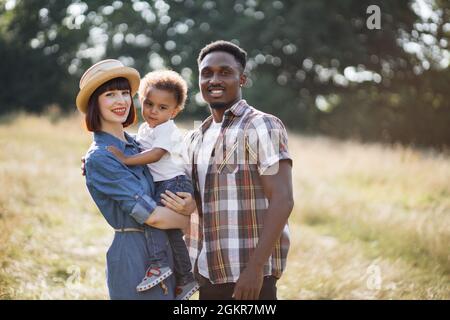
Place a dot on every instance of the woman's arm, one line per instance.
(106, 175)
(145, 157)
(164, 218)
(175, 214)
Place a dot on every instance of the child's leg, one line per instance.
(156, 240)
(182, 262)
(158, 265)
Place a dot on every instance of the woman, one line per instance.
(124, 194)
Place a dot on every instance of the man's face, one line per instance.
(220, 79)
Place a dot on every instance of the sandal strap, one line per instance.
(153, 271)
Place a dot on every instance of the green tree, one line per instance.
(315, 64)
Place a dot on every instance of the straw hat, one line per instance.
(100, 73)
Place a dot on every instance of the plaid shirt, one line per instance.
(250, 141)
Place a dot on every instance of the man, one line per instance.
(242, 175)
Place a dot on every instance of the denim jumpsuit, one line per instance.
(122, 195)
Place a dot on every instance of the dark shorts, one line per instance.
(209, 291)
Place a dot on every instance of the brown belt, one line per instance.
(129, 230)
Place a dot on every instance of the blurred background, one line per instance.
(367, 110)
(315, 64)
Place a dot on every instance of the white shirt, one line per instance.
(209, 140)
(168, 137)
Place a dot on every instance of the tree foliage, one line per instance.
(315, 64)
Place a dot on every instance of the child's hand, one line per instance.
(116, 152)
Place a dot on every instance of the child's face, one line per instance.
(158, 106)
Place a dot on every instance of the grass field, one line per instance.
(370, 221)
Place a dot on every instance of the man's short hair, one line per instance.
(225, 46)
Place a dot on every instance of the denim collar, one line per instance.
(104, 138)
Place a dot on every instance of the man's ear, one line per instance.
(242, 79)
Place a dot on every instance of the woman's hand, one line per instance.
(83, 166)
(182, 202)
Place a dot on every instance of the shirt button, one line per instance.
(136, 197)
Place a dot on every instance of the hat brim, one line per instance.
(122, 72)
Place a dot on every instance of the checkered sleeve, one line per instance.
(268, 143)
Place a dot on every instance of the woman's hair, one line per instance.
(92, 118)
(165, 80)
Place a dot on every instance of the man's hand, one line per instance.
(182, 202)
(83, 169)
(249, 284)
(115, 151)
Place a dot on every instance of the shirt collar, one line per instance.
(104, 138)
(168, 123)
(237, 110)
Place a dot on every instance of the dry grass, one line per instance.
(53, 239)
(370, 221)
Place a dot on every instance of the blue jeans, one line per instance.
(182, 263)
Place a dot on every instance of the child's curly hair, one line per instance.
(165, 80)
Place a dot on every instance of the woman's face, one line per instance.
(114, 106)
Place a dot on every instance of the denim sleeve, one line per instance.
(116, 181)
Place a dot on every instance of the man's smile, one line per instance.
(216, 92)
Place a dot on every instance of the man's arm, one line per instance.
(145, 157)
(278, 190)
